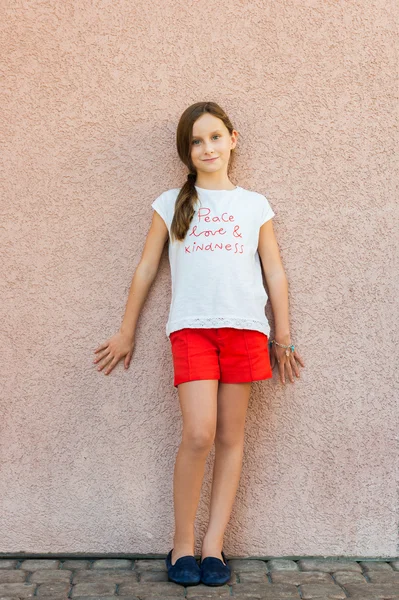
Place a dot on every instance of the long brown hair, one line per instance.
(187, 198)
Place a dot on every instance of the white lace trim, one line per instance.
(217, 322)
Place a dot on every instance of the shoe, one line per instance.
(185, 570)
(214, 571)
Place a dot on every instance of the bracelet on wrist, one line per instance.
(291, 346)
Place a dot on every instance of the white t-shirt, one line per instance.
(216, 273)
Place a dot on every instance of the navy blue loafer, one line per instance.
(214, 571)
(185, 570)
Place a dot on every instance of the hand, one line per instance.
(278, 355)
(110, 352)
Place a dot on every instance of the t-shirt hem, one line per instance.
(215, 322)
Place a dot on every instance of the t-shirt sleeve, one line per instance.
(162, 206)
(266, 211)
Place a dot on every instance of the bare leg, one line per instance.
(232, 407)
(198, 401)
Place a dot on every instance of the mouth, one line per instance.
(210, 159)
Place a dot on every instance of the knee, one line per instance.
(229, 438)
(198, 440)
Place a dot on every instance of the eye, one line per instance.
(216, 135)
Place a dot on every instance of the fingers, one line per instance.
(110, 363)
(104, 345)
(105, 362)
(289, 363)
(109, 353)
(298, 358)
(111, 366)
(281, 362)
(100, 356)
(289, 369)
(294, 365)
(111, 360)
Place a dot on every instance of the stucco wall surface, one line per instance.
(91, 95)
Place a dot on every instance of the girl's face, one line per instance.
(211, 144)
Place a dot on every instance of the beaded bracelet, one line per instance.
(292, 347)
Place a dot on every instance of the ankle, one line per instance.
(211, 551)
(209, 544)
(215, 551)
(183, 547)
(187, 548)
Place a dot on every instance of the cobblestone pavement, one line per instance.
(274, 579)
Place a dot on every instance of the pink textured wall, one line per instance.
(91, 95)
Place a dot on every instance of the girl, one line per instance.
(220, 236)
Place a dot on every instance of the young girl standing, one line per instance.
(220, 236)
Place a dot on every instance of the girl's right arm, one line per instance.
(121, 344)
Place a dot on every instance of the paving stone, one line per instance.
(383, 577)
(112, 563)
(300, 577)
(314, 590)
(6, 563)
(372, 596)
(144, 590)
(105, 576)
(102, 598)
(281, 564)
(374, 591)
(12, 576)
(107, 598)
(154, 597)
(375, 565)
(265, 591)
(205, 591)
(153, 576)
(53, 590)
(21, 590)
(252, 576)
(268, 596)
(36, 564)
(75, 564)
(251, 579)
(328, 565)
(48, 575)
(242, 565)
(150, 565)
(93, 589)
(263, 586)
(343, 577)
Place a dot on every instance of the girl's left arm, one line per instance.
(278, 292)
(276, 281)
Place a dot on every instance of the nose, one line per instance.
(208, 147)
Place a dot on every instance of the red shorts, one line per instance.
(228, 354)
